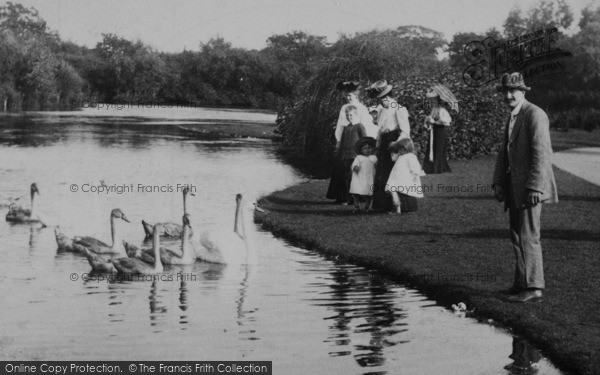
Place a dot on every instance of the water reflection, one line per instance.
(157, 308)
(525, 358)
(366, 312)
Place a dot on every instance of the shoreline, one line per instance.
(224, 124)
(456, 248)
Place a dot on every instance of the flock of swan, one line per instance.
(224, 245)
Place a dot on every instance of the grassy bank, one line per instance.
(457, 248)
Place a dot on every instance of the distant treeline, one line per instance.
(38, 71)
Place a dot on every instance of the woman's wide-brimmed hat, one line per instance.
(364, 141)
(379, 89)
(444, 94)
(511, 81)
(347, 86)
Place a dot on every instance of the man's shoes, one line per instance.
(531, 295)
(512, 290)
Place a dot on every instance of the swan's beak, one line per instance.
(257, 208)
(125, 218)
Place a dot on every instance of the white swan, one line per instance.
(134, 266)
(169, 230)
(100, 247)
(188, 253)
(228, 246)
(18, 214)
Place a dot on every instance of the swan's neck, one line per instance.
(117, 244)
(185, 203)
(185, 241)
(238, 226)
(158, 267)
(33, 205)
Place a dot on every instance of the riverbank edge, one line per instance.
(483, 304)
(480, 306)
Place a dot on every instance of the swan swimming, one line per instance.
(228, 246)
(170, 230)
(135, 266)
(98, 263)
(18, 214)
(98, 246)
(168, 256)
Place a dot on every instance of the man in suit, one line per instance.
(523, 180)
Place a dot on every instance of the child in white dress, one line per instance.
(363, 172)
(405, 178)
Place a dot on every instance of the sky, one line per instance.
(172, 26)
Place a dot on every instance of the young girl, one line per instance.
(405, 181)
(363, 173)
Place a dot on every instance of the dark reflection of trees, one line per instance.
(26, 134)
(358, 297)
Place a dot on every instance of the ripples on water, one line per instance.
(304, 313)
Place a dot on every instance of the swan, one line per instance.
(170, 230)
(18, 214)
(168, 256)
(63, 241)
(188, 255)
(226, 246)
(134, 266)
(147, 254)
(100, 247)
(98, 263)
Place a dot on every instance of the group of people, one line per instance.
(376, 165)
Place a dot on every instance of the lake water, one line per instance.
(305, 313)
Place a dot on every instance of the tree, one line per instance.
(31, 70)
(543, 15)
(587, 45)
(293, 57)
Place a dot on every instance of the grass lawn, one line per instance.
(457, 248)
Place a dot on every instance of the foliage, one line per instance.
(460, 40)
(32, 74)
(545, 14)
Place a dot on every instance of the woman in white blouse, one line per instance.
(350, 91)
(438, 121)
(393, 126)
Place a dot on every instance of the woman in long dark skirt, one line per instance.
(438, 121)
(393, 125)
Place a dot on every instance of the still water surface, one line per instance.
(295, 308)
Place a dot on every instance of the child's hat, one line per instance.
(364, 141)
